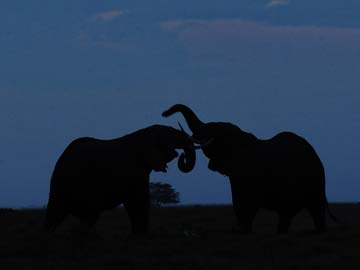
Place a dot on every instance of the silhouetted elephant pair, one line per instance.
(283, 173)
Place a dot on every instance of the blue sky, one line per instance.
(106, 68)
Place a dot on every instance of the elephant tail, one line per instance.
(191, 119)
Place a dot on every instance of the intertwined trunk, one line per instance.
(186, 161)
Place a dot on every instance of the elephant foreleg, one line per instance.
(245, 208)
(285, 219)
(318, 215)
(139, 216)
(89, 219)
(54, 216)
(137, 206)
(245, 218)
(245, 215)
(284, 223)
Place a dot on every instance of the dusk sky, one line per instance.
(107, 68)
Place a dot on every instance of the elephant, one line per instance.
(93, 175)
(283, 174)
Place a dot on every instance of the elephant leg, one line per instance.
(318, 215)
(54, 216)
(137, 205)
(89, 219)
(245, 217)
(245, 207)
(139, 217)
(284, 223)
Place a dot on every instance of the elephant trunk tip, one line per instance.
(174, 109)
(187, 160)
(168, 112)
(185, 167)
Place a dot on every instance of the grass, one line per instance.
(196, 237)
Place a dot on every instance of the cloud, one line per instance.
(236, 31)
(274, 3)
(102, 30)
(109, 16)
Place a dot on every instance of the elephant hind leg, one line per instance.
(318, 215)
(89, 219)
(284, 223)
(54, 216)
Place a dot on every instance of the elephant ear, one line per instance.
(156, 160)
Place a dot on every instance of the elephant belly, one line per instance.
(277, 192)
(93, 195)
(281, 203)
(290, 196)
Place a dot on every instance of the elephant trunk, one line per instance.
(186, 161)
(191, 119)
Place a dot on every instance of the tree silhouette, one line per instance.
(162, 193)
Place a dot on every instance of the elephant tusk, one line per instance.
(196, 141)
(182, 129)
(210, 141)
(201, 145)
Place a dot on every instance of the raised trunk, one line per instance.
(186, 161)
(191, 119)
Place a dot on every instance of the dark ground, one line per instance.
(197, 237)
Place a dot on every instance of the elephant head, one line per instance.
(219, 140)
(165, 141)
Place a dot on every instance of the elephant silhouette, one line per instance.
(92, 175)
(283, 173)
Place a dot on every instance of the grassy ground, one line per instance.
(198, 237)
